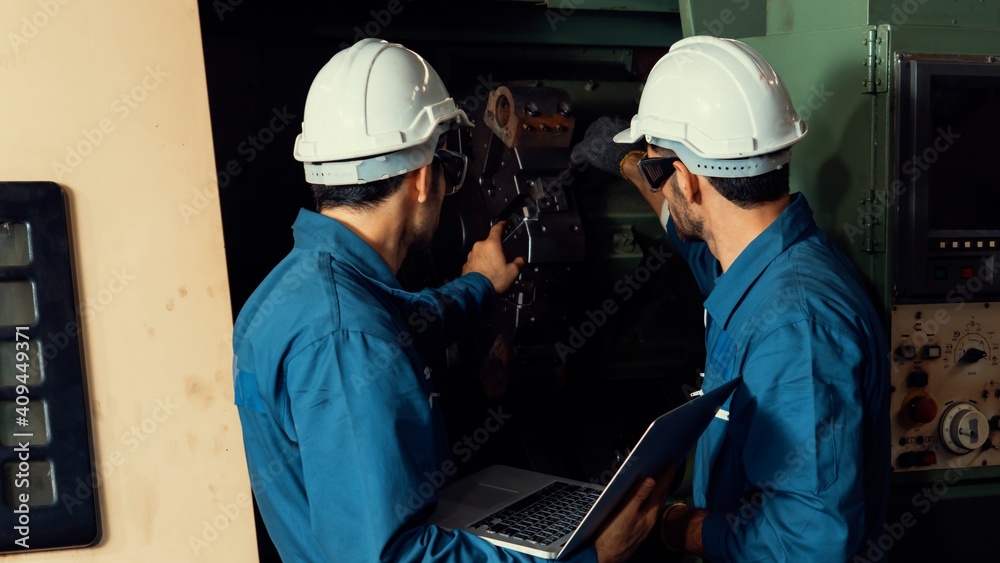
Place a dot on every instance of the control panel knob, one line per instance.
(972, 355)
(906, 352)
(964, 428)
(922, 409)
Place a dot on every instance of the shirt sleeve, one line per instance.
(371, 471)
(803, 452)
(698, 257)
(437, 317)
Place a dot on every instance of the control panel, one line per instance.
(945, 401)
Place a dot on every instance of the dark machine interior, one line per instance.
(613, 335)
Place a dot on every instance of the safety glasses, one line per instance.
(454, 165)
(657, 170)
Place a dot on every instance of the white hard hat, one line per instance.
(720, 106)
(374, 111)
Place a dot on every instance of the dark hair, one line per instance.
(748, 192)
(361, 197)
(755, 190)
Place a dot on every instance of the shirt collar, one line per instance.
(733, 285)
(314, 231)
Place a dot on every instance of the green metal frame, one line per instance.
(837, 165)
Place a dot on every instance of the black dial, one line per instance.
(972, 355)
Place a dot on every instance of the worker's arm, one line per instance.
(802, 449)
(697, 254)
(656, 200)
(372, 465)
(369, 454)
(437, 317)
(681, 529)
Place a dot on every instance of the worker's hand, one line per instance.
(621, 536)
(487, 258)
(598, 148)
(657, 200)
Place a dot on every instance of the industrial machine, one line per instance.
(947, 354)
(568, 323)
(946, 247)
(518, 173)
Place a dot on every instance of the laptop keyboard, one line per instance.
(543, 517)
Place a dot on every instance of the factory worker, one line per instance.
(344, 439)
(795, 467)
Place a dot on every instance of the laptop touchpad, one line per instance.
(482, 495)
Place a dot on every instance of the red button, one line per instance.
(923, 409)
(928, 458)
(968, 273)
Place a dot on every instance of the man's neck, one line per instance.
(380, 228)
(739, 227)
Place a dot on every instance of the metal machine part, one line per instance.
(603, 330)
(523, 164)
(945, 386)
(518, 172)
(599, 279)
(521, 161)
(963, 428)
(526, 116)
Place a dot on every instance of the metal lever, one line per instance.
(518, 202)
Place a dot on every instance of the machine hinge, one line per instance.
(871, 222)
(876, 66)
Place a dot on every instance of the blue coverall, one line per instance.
(800, 470)
(344, 440)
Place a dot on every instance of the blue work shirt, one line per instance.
(343, 437)
(800, 471)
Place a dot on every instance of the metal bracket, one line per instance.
(872, 222)
(525, 116)
(877, 76)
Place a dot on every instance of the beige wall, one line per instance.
(123, 83)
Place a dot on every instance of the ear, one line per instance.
(422, 178)
(687, 182)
